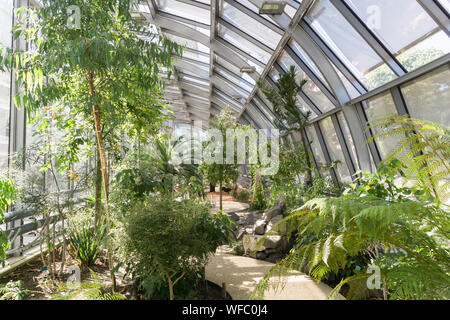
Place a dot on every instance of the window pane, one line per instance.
(377, 107)
(348, 138)
(250, 26)
(346, 42)
(243, 44)
(413, 36)
(184, 10)
(428, 97)
(307, 60)
(188, 43)
(335, 149)
(236, 80)
(235, 70)
(5, 78)
(316, 149)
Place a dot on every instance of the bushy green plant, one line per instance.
(85, 240)
(166, 239)
(13, 290)
(8, 193)
(243, 194)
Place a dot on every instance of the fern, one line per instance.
(84, 291)
(424, 150)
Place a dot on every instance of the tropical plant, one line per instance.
(103, 69)
(423, 151)
(289, 116)
(85, 242)
(406, 240)
(8, 193)
(285, 184)
(13, 290)
(166, 239)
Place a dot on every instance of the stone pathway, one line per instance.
(242, 274)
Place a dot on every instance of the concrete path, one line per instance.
(242, 274)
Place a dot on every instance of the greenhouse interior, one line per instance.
(224, 150)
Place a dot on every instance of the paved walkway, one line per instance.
(242, 274)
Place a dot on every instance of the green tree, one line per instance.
(104, 69)
(288, 115)
(221, 172)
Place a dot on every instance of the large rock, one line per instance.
(250, 243)
(280, 229)
(272, 242)
(271, 213)
(260, 227)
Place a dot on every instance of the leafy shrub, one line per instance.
(13, 290)
(165, 240)
(242, 195)
(8, 193)
(84, 239)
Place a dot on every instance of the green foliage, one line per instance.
(422, 152)
(84, 291)
(166, 239)
(220, 172)
(406, 239)
(243, 194)
(258, 193)
(289, 116)
(86, 242)
(8, 193)
(285, 184)
(323, 186)
(13, 290)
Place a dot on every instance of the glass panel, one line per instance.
(307, 60)
(428, 97)
(255, 9)
(196, 56)
(410, 35)
(445, 4)
(243, 44)
(263, 107)
(184, 10)
(377, 107)
(5, 80)
(310, 88)
(348, 45)
(250, 26)
(348, 138)
(232, 68)
(335, 149)
(241, 84)
(316, 149)
(194, 79)
(188, 43)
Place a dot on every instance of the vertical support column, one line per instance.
(325, 152)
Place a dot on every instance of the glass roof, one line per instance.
(241, 37)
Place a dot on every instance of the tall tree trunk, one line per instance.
(308, 180)
(103, 162)
(98, 191)
(220, 195)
